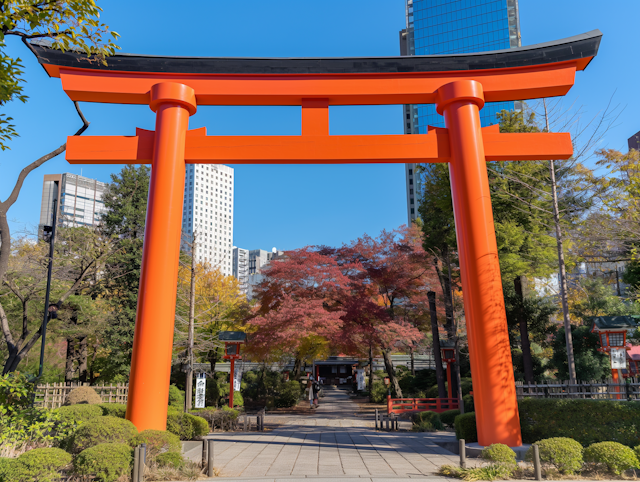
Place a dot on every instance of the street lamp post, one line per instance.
(49, 311)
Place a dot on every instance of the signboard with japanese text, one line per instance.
(360, 379)
(618, 358)
(201, 388)
(237, 376)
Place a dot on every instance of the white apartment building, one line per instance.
(208, 214)
(241, 267)
(79, 200)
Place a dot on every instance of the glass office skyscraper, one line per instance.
(453, 27)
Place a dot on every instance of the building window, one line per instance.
(410, 182)
(413, 211)
(410, 172)
(616, 339)
(410, 191)
(411, 200)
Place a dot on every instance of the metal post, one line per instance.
(536, 462)
(376, 419)
(210, 459)
(46, 296)
(245, 422)
(142, 461)
(463, 454)
(136, 463)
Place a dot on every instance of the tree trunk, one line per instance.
(214, 357)
(82, 360)
(393, 381)
(413, 362)
(435, 334)
(296, 368)
(527, 360)
(561, 265)
(69, 371)
(458, 391)
(370, 370)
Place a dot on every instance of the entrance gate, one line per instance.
(459, 85)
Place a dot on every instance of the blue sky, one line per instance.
(293, 206)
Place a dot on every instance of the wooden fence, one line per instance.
(52, 395)
(628, 389)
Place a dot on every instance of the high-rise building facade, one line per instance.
(634, 141)
(208, 214)
(79, 200)
(241, 267)
(453, 27)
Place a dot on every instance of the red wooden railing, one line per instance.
(403, 405)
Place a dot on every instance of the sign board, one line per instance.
(360, 379)
(237, 377)
(201, 388)
(618, 358)
(237, 336)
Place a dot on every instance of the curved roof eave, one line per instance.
(581, 48)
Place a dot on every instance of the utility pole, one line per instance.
(192, 312)
(561, 264)
(46, 297)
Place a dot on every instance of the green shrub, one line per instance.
(79, 413)
(176, 397)
(469, 406)
(238, 401)
(83, 395)
(289, 395)
(158, 442)
(432, 392)
(563, 453)
(43, 465)
(187, 426)
(114, 409)
(586, 421)
(424, 426)
(103, 430)
(170, 459)
(378, 392)
(107, 462)
(449, 417)
(432, 418)
(499, 454)
(465, 426)
(614, 456)
(6, 469)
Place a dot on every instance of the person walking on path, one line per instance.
(313, 393)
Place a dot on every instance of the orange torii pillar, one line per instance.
(490, 354)
(153, 339)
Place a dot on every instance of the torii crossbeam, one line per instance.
(459, 85)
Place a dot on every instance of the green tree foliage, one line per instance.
(65, 24)
(126, 202)
(590, 363)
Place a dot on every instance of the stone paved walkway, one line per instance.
(333, 442)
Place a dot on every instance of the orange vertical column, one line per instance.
(490, 355)
(153, 338)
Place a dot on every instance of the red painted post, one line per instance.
(389, 404)
(153, 338)
(449, 388)
(489, 350)
(231, 377)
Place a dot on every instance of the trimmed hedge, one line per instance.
(158, 442)
(449, 417)
(79, 413)
(465, 426)
(499, 454)
(427, 422)
(113, 409)
(43, 465)
(83, 395)
(106, 462)
(170, 459)
(586, 421)
(176, 397)
(186, 426)
(288, 395)
(563, 453)
(6, 467)
(614, 456)
(103, 430)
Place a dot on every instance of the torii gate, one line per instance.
(459, 85)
